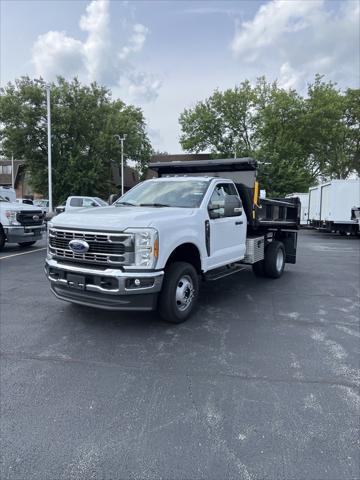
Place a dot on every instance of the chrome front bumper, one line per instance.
(18, 234)
(107, 288)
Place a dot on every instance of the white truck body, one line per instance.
(331, 205)
(76, 202)
(338, 197)
(20, 223)
(314, 204)
(304, 200)
(150, 248)
(8, 193)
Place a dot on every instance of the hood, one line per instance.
(119, 218)
(19, 206)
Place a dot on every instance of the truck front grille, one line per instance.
(104, 248)
(30, 218)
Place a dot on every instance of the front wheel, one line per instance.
(179, 293)
(26, 244)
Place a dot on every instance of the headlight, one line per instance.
(146, 246)
(11, 216)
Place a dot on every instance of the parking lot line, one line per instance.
(22, 253)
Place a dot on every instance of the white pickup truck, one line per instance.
(151, 248)
(20, 223)
(80, 202)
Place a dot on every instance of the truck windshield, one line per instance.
(172, 193)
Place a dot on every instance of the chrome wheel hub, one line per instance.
(279, 260)
(184, 292)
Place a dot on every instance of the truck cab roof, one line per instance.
(186, 178)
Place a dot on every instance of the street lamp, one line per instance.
(12, 172)
(48, 88)
(121, 140)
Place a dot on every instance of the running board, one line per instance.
(222, 272)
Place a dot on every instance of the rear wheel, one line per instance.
(179, 293)
(274, 262)
(26, 244)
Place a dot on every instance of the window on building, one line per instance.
(5, 169)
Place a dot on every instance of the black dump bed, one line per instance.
(263, 214)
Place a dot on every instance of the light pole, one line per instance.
(121, 140)
(12, 172)
(48, 107)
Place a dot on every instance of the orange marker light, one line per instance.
(156, 248)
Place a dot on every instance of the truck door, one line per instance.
(227, 232)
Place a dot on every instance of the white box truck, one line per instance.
(304, 201)
(331, 205)
(314, 206)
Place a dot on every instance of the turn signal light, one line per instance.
(156, 248)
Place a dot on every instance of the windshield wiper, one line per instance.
(153, 205)
(126, 203)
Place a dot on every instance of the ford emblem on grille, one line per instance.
(79, 246)
(36, 218)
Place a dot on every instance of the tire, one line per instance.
(179, 293)
(2, 238)
(26, 244)
(274, 262)
(258, 269)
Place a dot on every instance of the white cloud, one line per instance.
(271, 22)
(95, 59)
(289, 77)
(142, 86)
(297, 39)
(97, 44)
(136, 41)
(56, 52)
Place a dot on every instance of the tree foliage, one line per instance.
(296, 139)
(84, 124)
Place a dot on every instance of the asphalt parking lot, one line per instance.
(261, 383)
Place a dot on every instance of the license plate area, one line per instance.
(77, 282)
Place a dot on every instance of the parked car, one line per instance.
(76, 202)
(26, 201)
(8, 193)
(60, 208)
(43, 204)
(20, 223)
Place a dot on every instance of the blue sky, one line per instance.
(165, 55)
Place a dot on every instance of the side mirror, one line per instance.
(232, 206)
(216, 209)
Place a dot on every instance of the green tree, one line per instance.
(332, 129)
(85, 120)
(279, 120)
(222, 124)
(296, 140)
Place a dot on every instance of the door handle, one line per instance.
(239, 223)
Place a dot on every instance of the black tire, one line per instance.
(26, 244)
(274, 262)
(2, 238)
(258, 269)
(170, 307)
